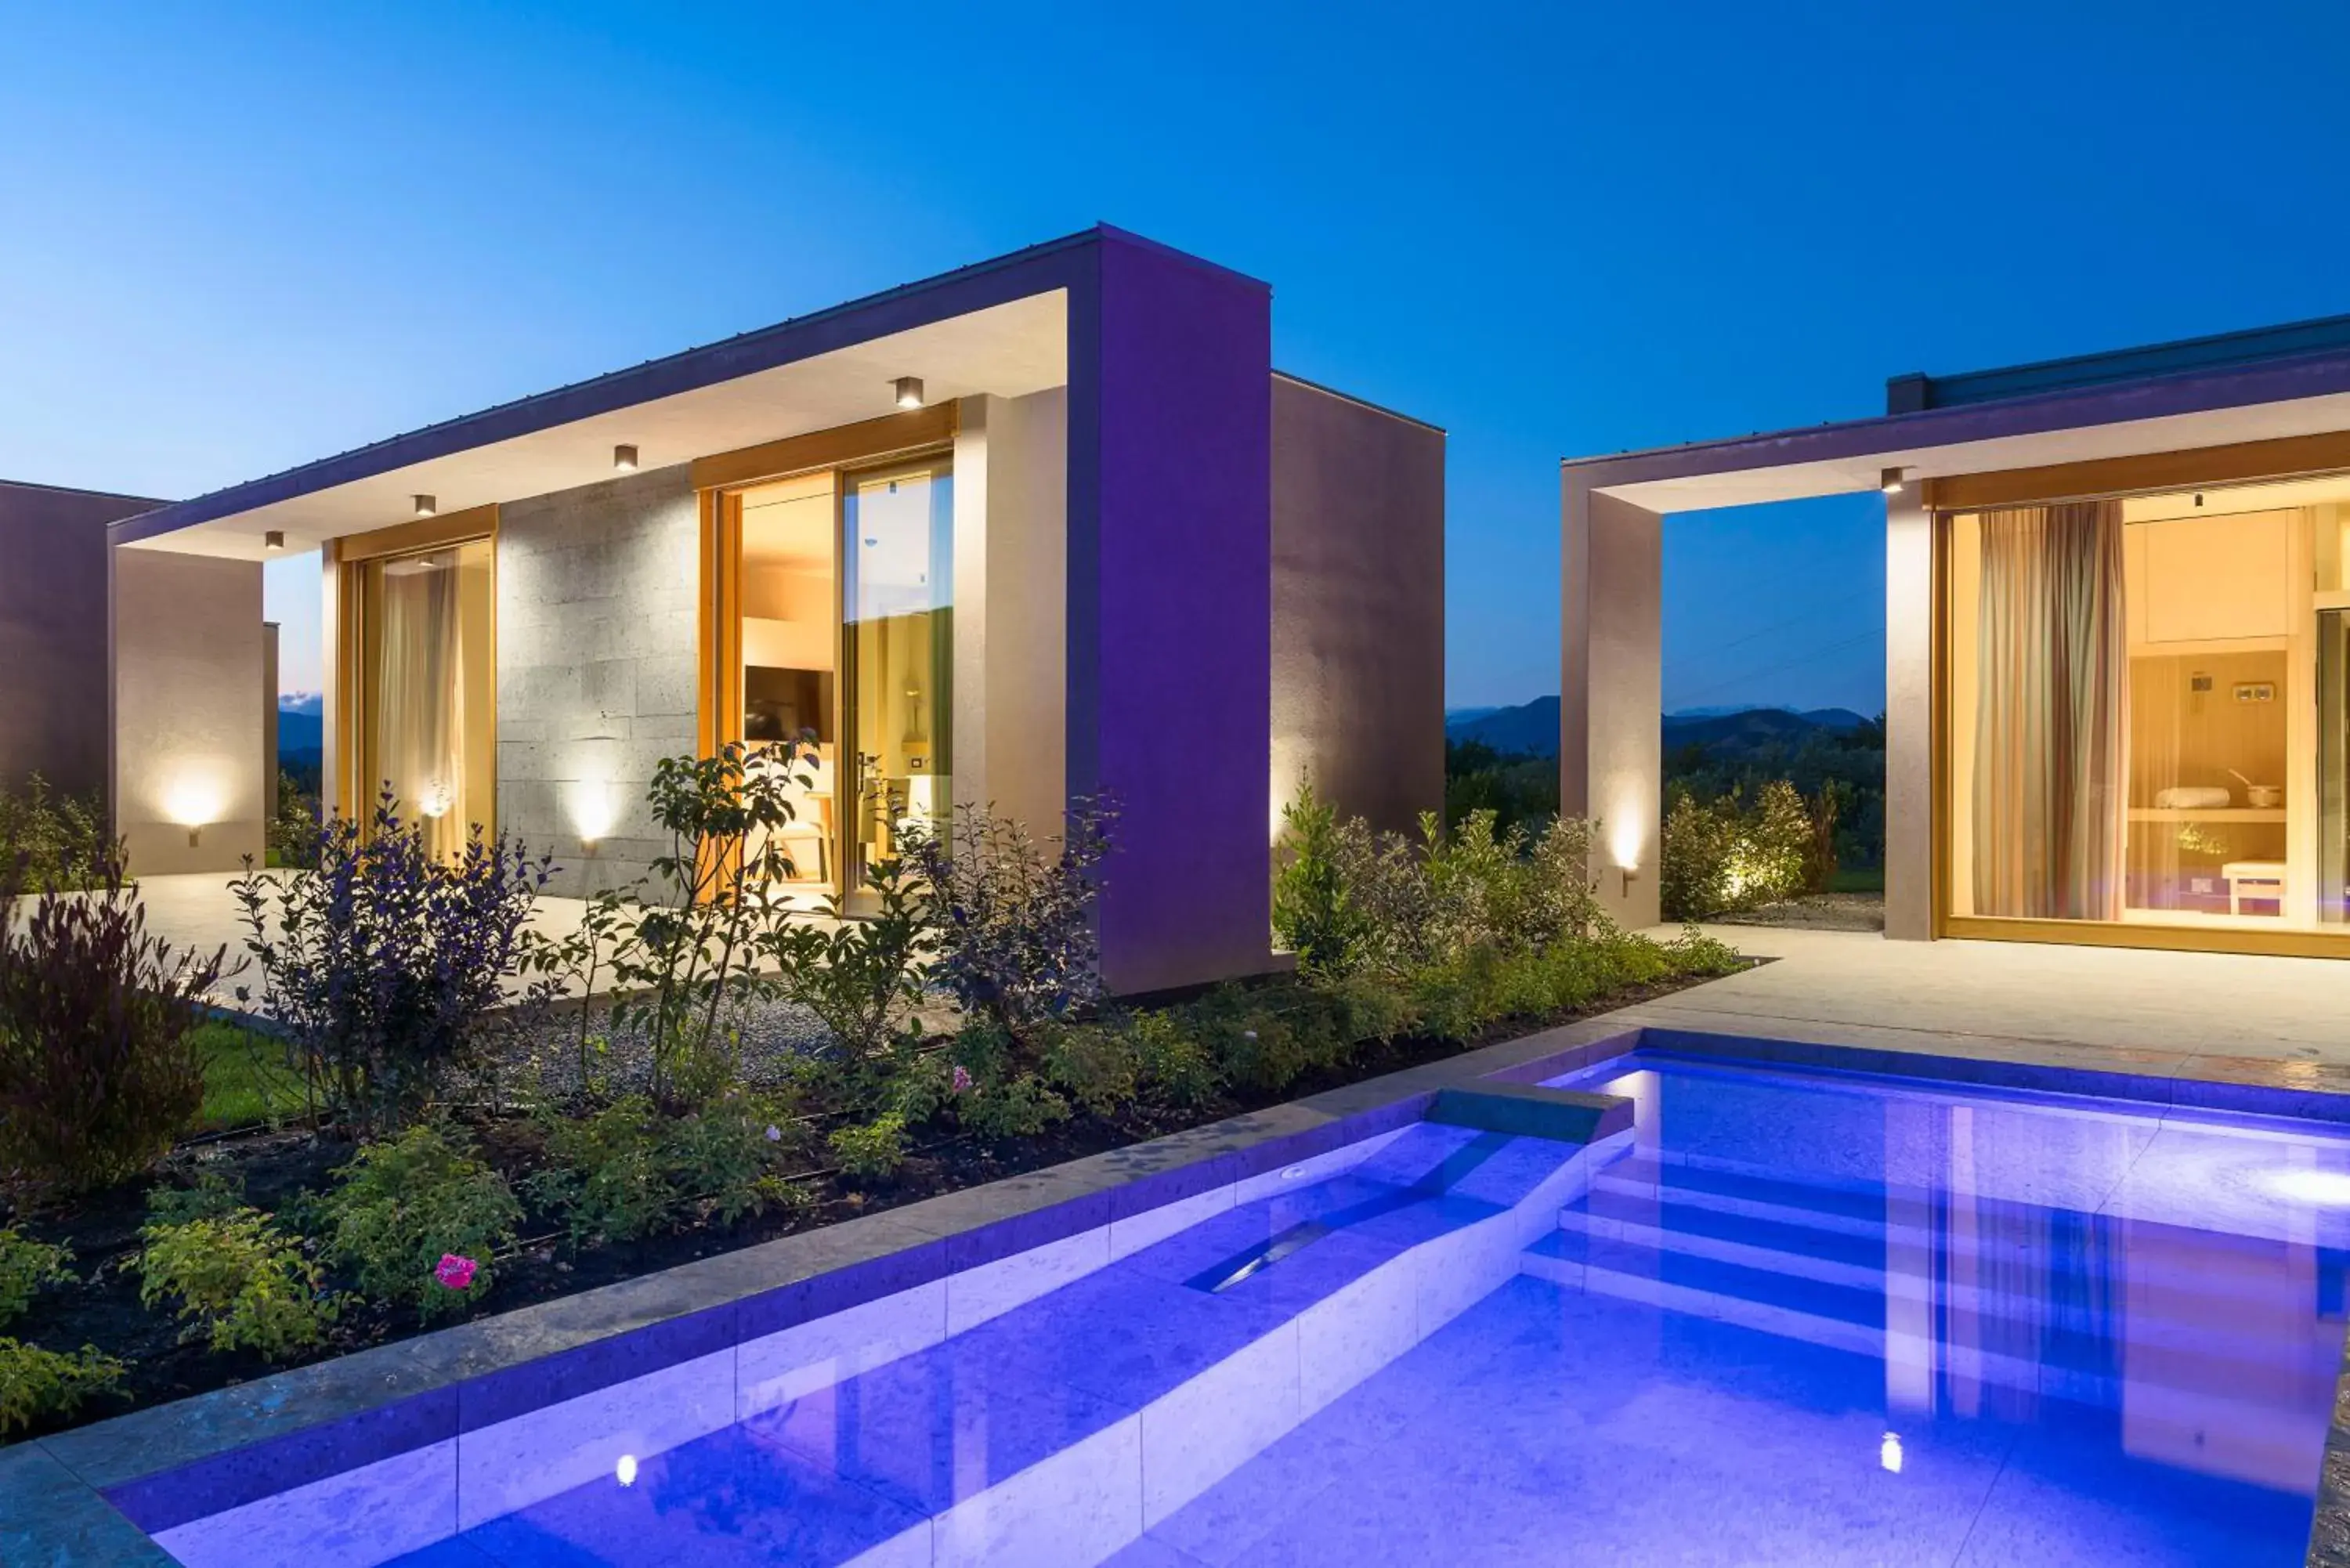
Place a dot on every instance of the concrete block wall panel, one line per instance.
(1357, 606)
(188, 719)
(53, 606)
(597, 652)
(1611, 691)
(1170, 608)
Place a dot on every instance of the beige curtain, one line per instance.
(2052, 743)
(420, 703)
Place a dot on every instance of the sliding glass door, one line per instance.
(427, 686)
(898, 641)
(2145, 715)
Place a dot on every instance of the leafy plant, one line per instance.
(1313, 908)
(1722, 855)
(48, 840)
(682, 948)
(861, 977)
(245, 1285)
(97, 1072)
(38, 1385)
(295, 831)
(385, 965)
(402, 1205)
(26, 1265)
(631, 1169)
(214, 1195)
(1015, 919)
(871, 1151)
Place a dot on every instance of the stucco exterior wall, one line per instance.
(1358, 606)
(1171, 608)
(597, 664)
(189, 713)
(53, 604)
(1011, 622)
(1611, 693)
(1910, 827)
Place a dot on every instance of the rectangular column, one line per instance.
(1909, 716)
(1611, 691)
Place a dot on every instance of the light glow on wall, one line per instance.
(196, 797)
(594, 809)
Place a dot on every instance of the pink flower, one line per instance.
(774, 1132)
(961, 1079)
(453, 1272)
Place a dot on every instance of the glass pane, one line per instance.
(428, 732)
(789, 604)
(2145, 709)
(897, 553)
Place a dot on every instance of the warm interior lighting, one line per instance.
(624, 459)
(1889, 482)
(427, 505)
(910, 392)
(273, 540)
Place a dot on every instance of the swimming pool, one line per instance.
(1792, 1316)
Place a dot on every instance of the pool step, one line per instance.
(1807, 1263)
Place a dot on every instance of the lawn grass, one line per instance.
(1858, 879)
(245, 1079)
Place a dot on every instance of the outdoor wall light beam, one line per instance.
(427, 505)
(910, 392)
(624, 459)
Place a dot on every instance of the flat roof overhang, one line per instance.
(2304, 396)
(1001, 326)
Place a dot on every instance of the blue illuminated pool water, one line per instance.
(1794, 1318)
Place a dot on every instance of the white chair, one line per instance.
(2262, 879)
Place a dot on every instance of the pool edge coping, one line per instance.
(273, 1427)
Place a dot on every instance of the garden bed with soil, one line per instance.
(278, 1168)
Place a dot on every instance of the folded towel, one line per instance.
(2191, 799)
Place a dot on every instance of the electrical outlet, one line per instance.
(2255, 690)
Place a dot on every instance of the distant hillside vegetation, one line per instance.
(1531, 729)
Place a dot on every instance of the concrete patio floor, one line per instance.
(2208, 1015)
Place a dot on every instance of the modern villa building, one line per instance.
(2117, 641)
(1046, 527)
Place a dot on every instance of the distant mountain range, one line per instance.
(1531, 729)
(301, 727)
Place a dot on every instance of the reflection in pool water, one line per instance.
(1791, 1318)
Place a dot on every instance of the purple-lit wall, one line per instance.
(53, 633)
(1169, 611)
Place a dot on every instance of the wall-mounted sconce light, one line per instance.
(910, 392)
(427, 505)
(1890, 480)
(195, 800)
(624, 459)
(1624, 889)
(273, 540)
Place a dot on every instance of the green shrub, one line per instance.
(871, 1151)
(1175, 1066)
(1098, 1064)
(49, 840)
(26, 1265)
(631, 1169)
(97, 1070)
(1018, 1106)
(38, 1385)
(245, 1285)
(862, 977)
(1721, 855)
(212, 1196)
(401, 1206)
(607, 1176)
(1314, 914)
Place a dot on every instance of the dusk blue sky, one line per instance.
(235, 238)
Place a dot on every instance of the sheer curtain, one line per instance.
(2051, 787)
(421, 700)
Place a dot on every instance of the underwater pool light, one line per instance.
(2302, 1185)
(1888, 1452)
(625, 1470)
